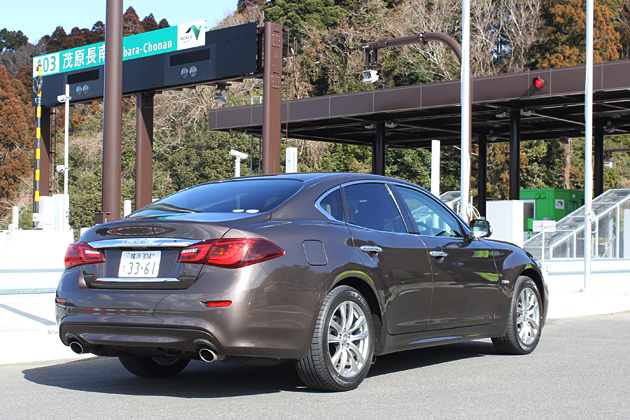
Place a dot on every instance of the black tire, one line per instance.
(153, 367)
(524, 321)
(352, 348)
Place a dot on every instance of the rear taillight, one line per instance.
(195, 254)
(230, 253)
(82, 253)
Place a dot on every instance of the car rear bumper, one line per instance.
(151, 341)
(261, 321)
(177, 340)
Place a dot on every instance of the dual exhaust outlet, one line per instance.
(77, 347)
(209, 355)
(206, 354)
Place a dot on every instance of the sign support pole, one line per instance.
(112, 110)
(272, 98)
(66, 147)
(38, 140)
(66, 198)
(144, 149)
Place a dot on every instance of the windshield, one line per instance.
(247, 197)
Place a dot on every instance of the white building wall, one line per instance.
(506, 219)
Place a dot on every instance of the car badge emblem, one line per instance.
(134, 241)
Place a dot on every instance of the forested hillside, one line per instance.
(507, 36)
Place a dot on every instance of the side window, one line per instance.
(331, 205)
(372, 206)
(430, 217)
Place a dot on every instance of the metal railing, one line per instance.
(608, 231)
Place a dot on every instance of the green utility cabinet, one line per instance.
(551, 203)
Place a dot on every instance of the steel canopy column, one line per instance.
(112, 112)
(599, 160)
(144, 148)
(272, 98)
(435, 167)
(482, 176)
(378, 150)
(515, 153)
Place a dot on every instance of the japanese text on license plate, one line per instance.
(139, 264)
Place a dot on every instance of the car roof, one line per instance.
(315, 177)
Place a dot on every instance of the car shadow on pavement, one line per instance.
(198, 380)
(220, 380)
(413, 359)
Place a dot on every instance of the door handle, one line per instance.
(438, 254)
(371, 249)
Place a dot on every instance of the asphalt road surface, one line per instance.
(580, 370)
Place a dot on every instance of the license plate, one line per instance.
(139, 264)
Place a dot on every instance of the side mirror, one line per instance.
(480, 229)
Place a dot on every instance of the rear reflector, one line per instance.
(60, 300)
(230, 253)
(80, 253)
(217, 303)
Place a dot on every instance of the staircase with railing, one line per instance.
(610, 211)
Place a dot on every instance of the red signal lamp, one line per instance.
(539, 82)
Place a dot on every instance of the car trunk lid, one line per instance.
(143, 253)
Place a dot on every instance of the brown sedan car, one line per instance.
(329, 270)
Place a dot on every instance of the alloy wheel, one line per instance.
(348, 339)
(527, 316)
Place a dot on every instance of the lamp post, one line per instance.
(65, 168)
(466, 121)
(589, 216)
(370, 50)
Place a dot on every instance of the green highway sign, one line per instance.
(174, 38)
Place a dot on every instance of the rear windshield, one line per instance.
(246, 197)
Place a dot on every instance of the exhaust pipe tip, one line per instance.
(76, 347)
(208, 355)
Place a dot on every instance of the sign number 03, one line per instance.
(49, 63)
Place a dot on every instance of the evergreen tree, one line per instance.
(245, 4)
(295, 14)
(11, 40)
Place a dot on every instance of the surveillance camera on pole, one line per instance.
(237, 161)
(369, 76)
(239, 155)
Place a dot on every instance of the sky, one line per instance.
(37, 18)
